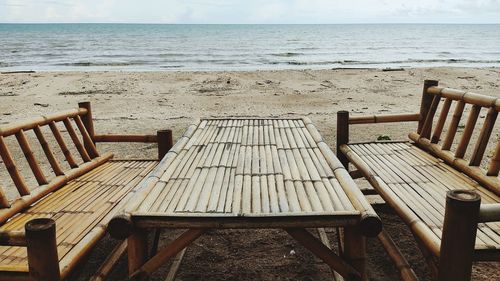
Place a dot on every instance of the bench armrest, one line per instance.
(489, 212)
(126, 138)
(387, 118)
(163, 138)
(13, 238)
(344, 120)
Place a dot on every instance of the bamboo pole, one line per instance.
(459, 235)
(42, 250)
(28, 153)
(469, 129)
(40, 121)
(425, 102)
(324, 253)
(467, 97)
(87, 117)
(176, 264)
(87, 138)
(137, 250)
(427, 128)
(342, 136)
(165, 142)
(452, 129)
(494, 166)
(171, 250)
(405, 271)
(126, 138)
(74, 137)
(442, 119)
(483, 138)
(62, 145)
(354, 251)
(388, 118)
(13, 238)
(54, 164)
(12, 169)
(489, 212)
(103, 271)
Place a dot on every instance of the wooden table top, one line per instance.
(251, 171)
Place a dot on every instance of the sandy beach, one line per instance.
(143, 102)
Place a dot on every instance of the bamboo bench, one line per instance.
(420, 179)
(46, 231)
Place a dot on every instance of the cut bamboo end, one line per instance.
(121, 226)
(459, 197)
(370, 225)
(43, 258)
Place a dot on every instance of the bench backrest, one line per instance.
(21, 136)
(445, 108)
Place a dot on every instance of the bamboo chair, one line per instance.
(419, 179)
(47, 230)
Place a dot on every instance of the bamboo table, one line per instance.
(249, 173)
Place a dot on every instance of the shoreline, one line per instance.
(388, 68)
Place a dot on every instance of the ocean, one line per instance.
(153, 47)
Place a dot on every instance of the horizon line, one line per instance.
(346, 23)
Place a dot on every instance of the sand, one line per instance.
(143, 102)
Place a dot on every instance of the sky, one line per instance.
(250, 11)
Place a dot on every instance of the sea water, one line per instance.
(130, 47)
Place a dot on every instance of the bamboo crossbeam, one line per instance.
(489, 212)
(171, 250)
(384, 118)
(467, 97)
(40, 121)
(126, 138)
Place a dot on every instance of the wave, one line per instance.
(90, 64)
(287, 54)
(356, 62)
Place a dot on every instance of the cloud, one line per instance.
(257, 11)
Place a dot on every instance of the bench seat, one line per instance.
(81, 210)
(419, 181)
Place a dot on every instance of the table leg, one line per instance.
(355, 250)
(324, 253)
(137, 250)
(166, 253)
